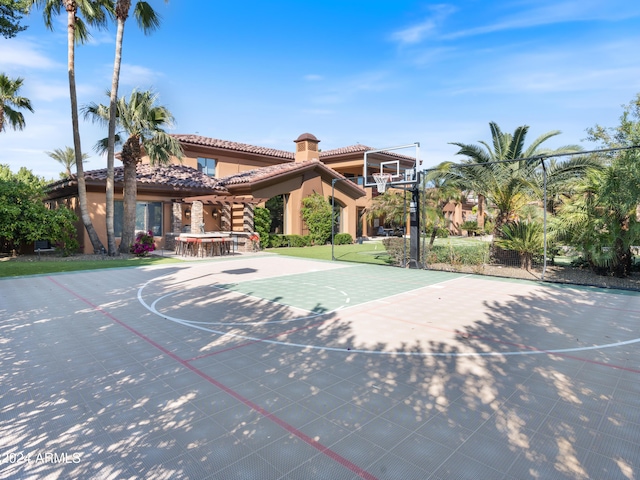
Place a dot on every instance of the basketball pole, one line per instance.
(414, 225)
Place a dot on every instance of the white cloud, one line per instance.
(137, 76)
(20, 54)
(569, 11)
(418, 32)
(345, 90)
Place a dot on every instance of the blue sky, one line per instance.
(379, 73)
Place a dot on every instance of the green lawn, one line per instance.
(14, 268)
(368, 252)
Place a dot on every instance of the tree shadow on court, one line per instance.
(186, 396)
(533, 414)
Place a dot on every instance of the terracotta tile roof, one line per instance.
(345, 150)
(361, 149)
(264, 173)
(276, 172)
(234, 146)
(176, 177)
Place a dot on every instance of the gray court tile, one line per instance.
(459, 466)
(391, 467)
(621, 413)
(383, 432)
(252, 468)
(498, 451)
(358, 449)
(272, 401)
(260, 433)
(236, 417)
(422, 452)
(619, 449)
(296, 415)
(220, 453)
(321, 467)
(325, 431)
(598, 466)
(445, 430)
(288, 453)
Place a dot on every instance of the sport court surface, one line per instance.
(268, 367)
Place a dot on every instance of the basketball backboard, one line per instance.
(398, 163)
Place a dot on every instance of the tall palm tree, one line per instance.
(66, 157)
(10, 101)
(143, 123)
(508, 186)
(148, 21)
(96, 13)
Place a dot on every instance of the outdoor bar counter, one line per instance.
(207, 244)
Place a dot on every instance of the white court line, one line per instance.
(196, 326)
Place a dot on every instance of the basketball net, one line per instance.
(381, 180)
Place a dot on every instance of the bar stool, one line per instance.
(206, 247)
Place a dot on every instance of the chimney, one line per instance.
(306, 147)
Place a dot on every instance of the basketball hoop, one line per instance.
(381, 181)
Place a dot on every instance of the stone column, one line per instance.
(225, 217)
(176, 217)
(247, 218)
(197, 217)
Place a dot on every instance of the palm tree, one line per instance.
(95, 12)
(10, 101)
(436, 197)
(142, 121)
(508, 186)
(600, 217)
(147, 20)
(67, 157)
(391, 205)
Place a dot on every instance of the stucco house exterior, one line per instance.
(218, 183)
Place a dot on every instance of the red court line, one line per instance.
(289, 428)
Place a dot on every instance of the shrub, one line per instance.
(316, 213)
(395, 249)
(299, 240)
(143, 244)
(526, 238)
(442, 233)
(342, 239)
(459, 254)
(471, 228)
(277, 241)
(262, 225)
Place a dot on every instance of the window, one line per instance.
(148, 217)
(207, 166)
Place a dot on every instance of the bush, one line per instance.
(471, 227)
(143, 244)
(277, 241)
(262, 225)
(442, 233)
(316, 213)
(395, 249)
(342, 239)
(459, 254)
(299, 240)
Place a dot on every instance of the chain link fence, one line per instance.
(536, 219)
